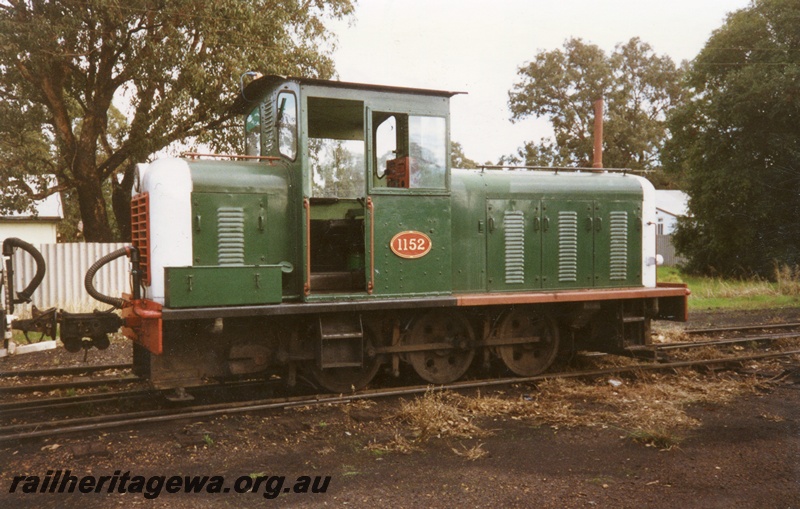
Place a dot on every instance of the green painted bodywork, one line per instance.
(428, 275)
(209, 286)
(263, 193)
(490, 231)
(563, 222)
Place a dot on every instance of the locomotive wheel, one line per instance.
(347, 380)
(445, 365)
(528, 359)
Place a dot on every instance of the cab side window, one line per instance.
(252, 129)
(428, 152)
(410, 151)
(287, 125)
(386, 141)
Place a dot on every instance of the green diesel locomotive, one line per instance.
(343, 241)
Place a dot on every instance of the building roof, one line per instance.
(674, 203)
(48, 209)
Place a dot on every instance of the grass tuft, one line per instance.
(398, 443)
(473, 453)
(437, 414)
(651, 407)
(661, 439)
(788, 280)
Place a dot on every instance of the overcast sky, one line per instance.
(476, 47)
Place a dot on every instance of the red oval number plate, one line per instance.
(411, 244)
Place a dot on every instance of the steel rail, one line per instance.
(72, 370)
(28, 405)
(150, 417)
(723, 342)
(75, 384)
(31, 405)
(741, 327)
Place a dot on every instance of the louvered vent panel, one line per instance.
(230, 236)
(514, 227)
(567, 246)
(618, 257)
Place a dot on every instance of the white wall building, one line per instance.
(34, 229)
(670, 205)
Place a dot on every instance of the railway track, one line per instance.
(80, 377)
(727, 342)
(739, 328)
(71, 370)
(62, 403)
(54, 405)
(71, 384)
(60, 427)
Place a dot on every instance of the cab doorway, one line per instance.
(337, 169)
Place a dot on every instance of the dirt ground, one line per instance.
(741, 452)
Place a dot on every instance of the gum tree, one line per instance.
(736, 144)
(638, 86)
(171, 68)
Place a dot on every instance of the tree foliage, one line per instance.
(171, 66)
(457, 157)
(638, 87)
(736, 144)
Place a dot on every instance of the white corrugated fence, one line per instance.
(67, 265)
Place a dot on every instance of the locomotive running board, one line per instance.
(301, 308)
(673, 296)
(492, 299)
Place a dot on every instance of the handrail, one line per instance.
(371, 209)
(556, 169)
(196, 155)
(307, 285)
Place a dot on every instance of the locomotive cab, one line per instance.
(368, 162)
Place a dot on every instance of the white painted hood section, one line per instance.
(169, 183)
(649, 258)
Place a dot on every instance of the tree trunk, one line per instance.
(93, 211)
(121, 201)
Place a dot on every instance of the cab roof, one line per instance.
(254, 92)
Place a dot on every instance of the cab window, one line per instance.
(427, 150)
(287, 125)
(252, 129)
(410, 151)
(336, 148)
